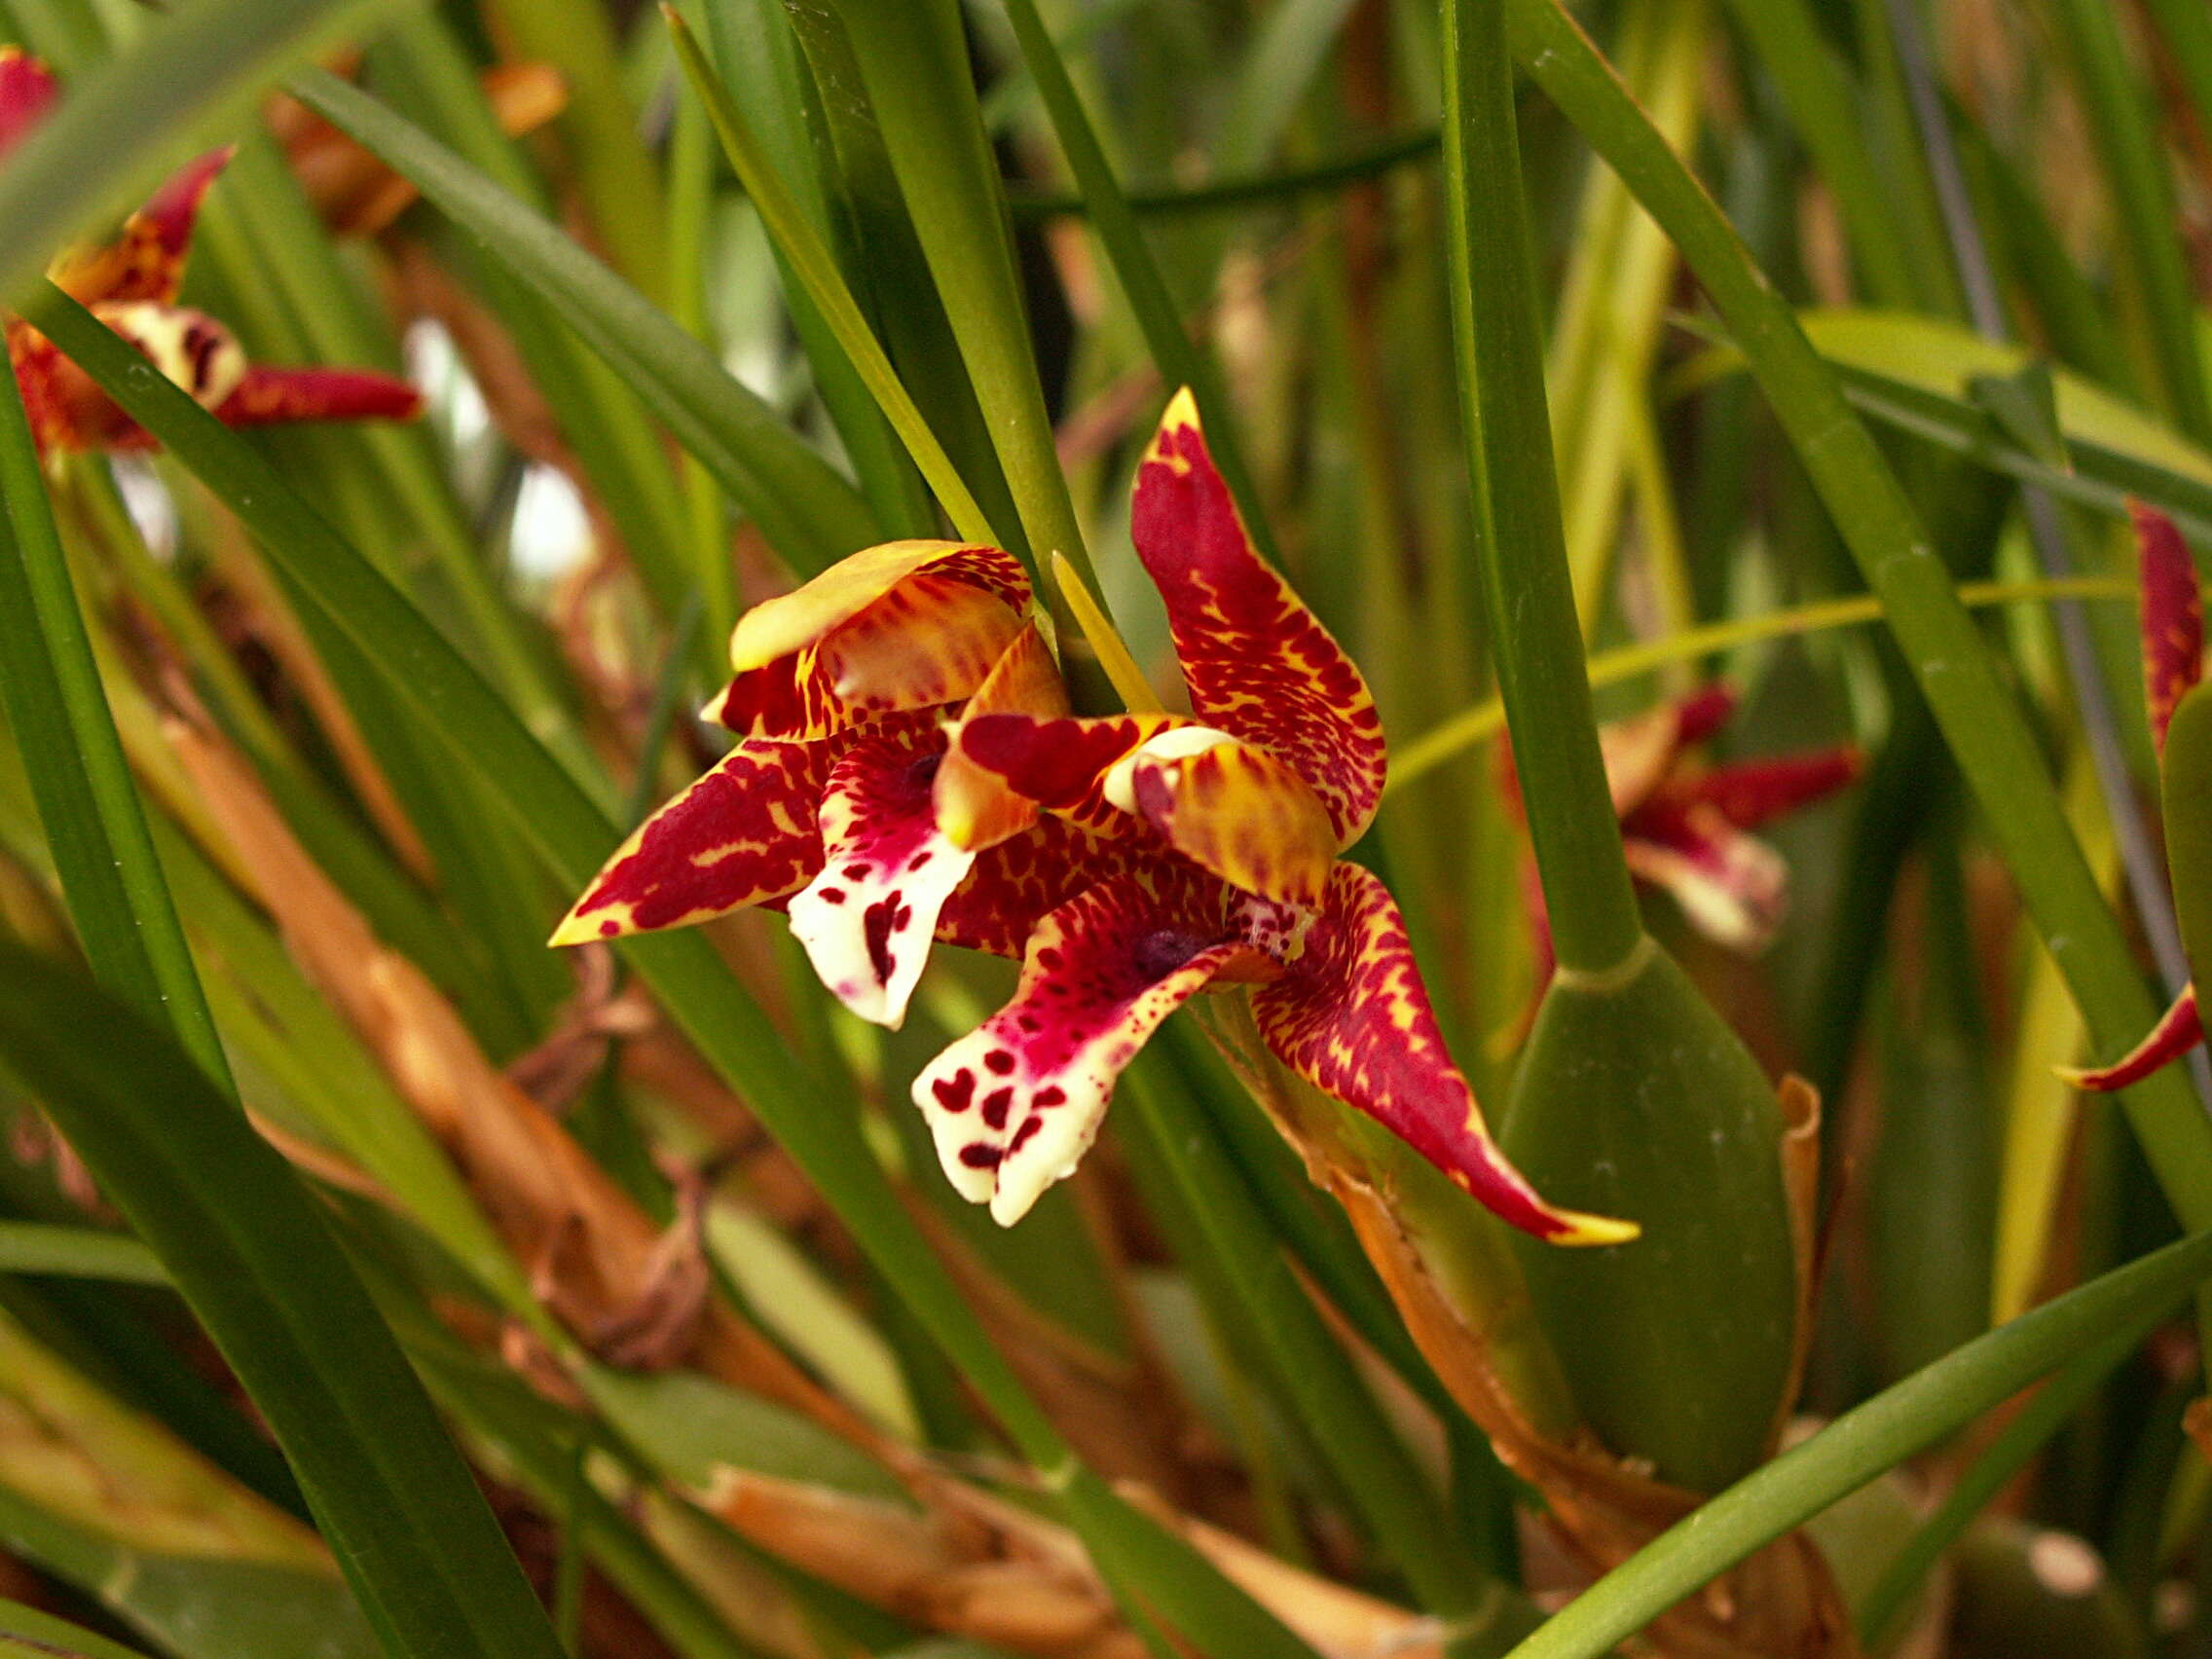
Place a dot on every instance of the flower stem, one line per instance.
(1535, 637)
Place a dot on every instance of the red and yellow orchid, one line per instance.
(908, 770)
(132, 284)
(1686, 827)
(844, 699)
(2174, 662)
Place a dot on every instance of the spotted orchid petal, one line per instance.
(27, 95)
(144, 264)
(1240, 812)
(906, 625)
(1015, 1103)
(1259, 664)
(1018, 883)
(1352, 1017)
(2173, 616)
(975, 807)
(745, 834)
(2179, 1029)
(266, 396)
(1731, 886)
(867, 918)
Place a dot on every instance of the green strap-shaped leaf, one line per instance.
(808, 512)
(1925, 1409)
(258, 1265)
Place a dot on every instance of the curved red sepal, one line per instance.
(2173, 616)
(1353, 1019)
(2179, 1029)
(269, 397)
(745, 834)
(1259, 664)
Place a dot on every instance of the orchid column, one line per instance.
(1633, 1097)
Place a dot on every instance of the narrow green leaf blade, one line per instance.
(259, 1267)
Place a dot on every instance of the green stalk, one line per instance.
(1536, 634)
(913, 59)
(77, 1252)
(1181, 361)
(50, 688)
(2152, 268)
(1951, 661)
(1391, 1496)
(1894, 1592)
(1918, 1413)
(1816, 87)
(808, 258)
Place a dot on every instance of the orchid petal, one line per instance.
(1018, 883)
(1063, 764)
(2173, 616)
(1751, 793)
(867, 918)
(2179, 1029)
(1731, 886)
(906, 625)
(28, 94)
(145, 263)
(743, 833)
(268, 397)
(1242, 814)
(1259, 664)
(975, 807)
(777, 627)
(1353, 1019)
(1017, 1102)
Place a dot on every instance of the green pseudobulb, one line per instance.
(1635, 1100)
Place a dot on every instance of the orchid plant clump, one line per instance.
(1576, 360)
(908, 770)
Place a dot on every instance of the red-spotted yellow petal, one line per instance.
(1240, 813)
(28, 94)
(977, 808)
(1259, 664)
(867, 918)
(1353, 1019)
(1731, 886)
(777, 627)
(266, 398)
(743, 835)
(2179, 1029)
(906, 625)
(2173, 615)
(1017, 1102)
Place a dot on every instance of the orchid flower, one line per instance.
(1686, 827)
(1217, 837)
(830, 803)
(907, 770)
(2174, 662)
(132, 284)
